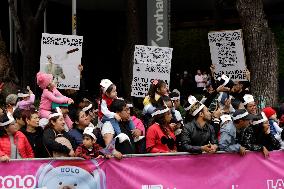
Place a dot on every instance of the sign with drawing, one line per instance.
(61, 56)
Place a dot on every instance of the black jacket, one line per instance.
(36, 142)
(193, 137)
(252, 141)
(52, 145)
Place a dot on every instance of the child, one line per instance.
(89, 149)
(108, 90)
(27, 100)
(153, 100)
(158, 88)
(50, 94)
(275, 130)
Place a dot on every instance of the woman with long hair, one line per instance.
(160, 137)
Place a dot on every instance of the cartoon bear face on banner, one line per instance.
(79, 176)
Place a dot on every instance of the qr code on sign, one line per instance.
(152, 55)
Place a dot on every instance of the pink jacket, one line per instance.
(138, 124)
(26, 104)
(47, 98)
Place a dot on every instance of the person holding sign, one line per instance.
(50, 94)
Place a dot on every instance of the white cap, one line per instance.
(225, 118)
(105, 83)
(89, 131)
(248, 98)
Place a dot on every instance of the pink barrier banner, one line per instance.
(220, 171)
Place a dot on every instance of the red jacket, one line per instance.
(22, 143)
(108, 102)
(83, 152)
(153, 139)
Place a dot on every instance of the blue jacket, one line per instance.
(228, 141)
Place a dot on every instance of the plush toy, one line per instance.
(79, 175)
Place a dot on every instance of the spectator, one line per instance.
(19, 118)
(64, 109)
(81, 121)
(265, 137)
(34, 133)
(109, 94)
(13, 143)
(88, 149)
(50, 94)
(27, 99)
(200, 83)
(11, 101)
(92, 117)
(153, 100)
(275, 129)
(159, 136)
(139, 131)
(228, 140)
(57, 141)
(125, 144)
(249, 104)
(198, 135)
(247, 135)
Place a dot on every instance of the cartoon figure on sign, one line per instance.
(63, 175)
(55, 69)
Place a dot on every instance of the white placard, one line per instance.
(152, 55)
(227, 54)
(61, 56)
(150, 63)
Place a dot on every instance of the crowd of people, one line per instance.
(226, 118)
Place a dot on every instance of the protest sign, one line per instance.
(61, 56)
(150, 63)
(227, 54)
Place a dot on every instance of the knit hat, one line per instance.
(105, 84)
(11, 99)
(269, 112)
(43, 79)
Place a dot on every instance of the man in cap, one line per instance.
(198, 135)
(228, 139)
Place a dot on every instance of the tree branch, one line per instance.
(41, 9)
(17, 25)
